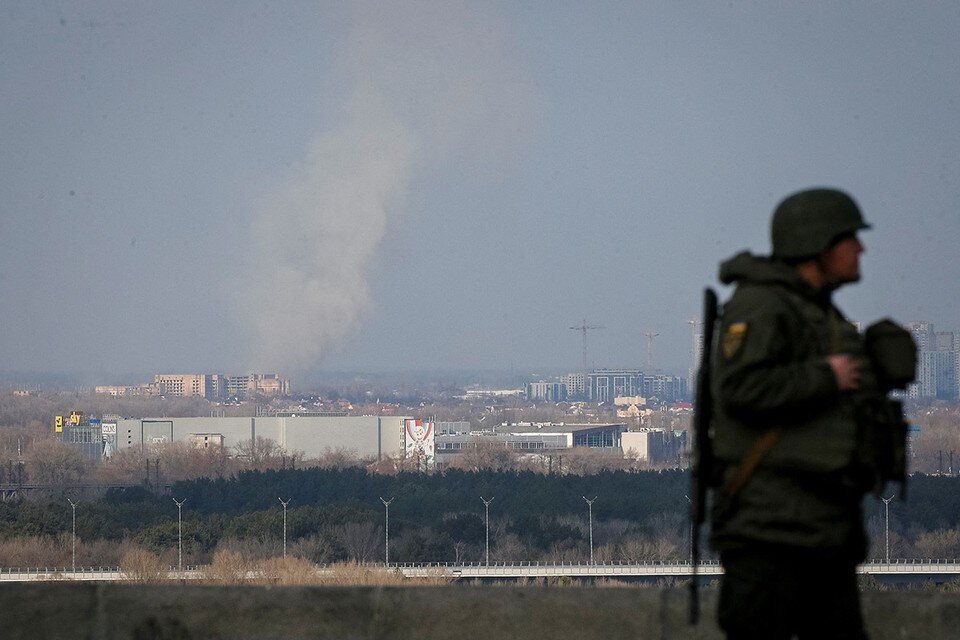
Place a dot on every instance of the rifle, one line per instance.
(701, 472)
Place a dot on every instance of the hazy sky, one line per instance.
(314, 186)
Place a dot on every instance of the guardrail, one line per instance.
(85, 574)
(479, 570)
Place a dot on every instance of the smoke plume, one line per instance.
(425, 83)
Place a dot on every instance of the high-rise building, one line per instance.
(216, 386)
(697, 353)
(607, 384)
(922, 333)
(938, 363)
(264, 384)
(665, 388)
(546, 391)
(575, 383)
(179, 385)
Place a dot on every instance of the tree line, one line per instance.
(336, 515)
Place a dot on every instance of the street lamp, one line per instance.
(73, 562)
(285, 524)
(590, 507)
(486, 519)
(886, 525)
(179, 534)
(386, 555)
(690, 502)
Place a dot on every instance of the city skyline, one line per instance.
(448, 186)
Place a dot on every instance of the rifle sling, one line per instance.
(750, 461)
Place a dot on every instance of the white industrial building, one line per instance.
(364, 436)
(653, 445)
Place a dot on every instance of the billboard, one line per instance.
(419, 441)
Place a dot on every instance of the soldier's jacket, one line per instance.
(771, 371)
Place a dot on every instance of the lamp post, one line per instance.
(285, 524)
(73, 562)
(486, 520)
(179, 534)
(886, 524)
(386, 529)
(690, 502)
(590, 508)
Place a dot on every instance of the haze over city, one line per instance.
(313, 187)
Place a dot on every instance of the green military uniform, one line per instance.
(771, 371)
(788, 523)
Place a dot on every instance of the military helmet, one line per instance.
(806, 223)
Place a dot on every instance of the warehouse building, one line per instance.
(530, 438)
(364, 436)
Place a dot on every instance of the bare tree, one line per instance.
(339, 458)
(140, 565)
(937, 545)
(54, 464)
(362, 540)
(480, 455)
(260, 453)
(584, 461)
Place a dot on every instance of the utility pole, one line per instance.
(285, 524)
(73, 563)
(590, 507)
(583, 327)
(486, 508)
(386, 555)
(886, 526)
(180, 535)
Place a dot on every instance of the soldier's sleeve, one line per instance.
(758, 372)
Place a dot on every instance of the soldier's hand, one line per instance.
(846, 369)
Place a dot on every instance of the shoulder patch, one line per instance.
(733, 339)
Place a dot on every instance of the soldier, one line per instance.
(789, 376)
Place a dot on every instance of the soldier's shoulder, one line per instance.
(757, 299)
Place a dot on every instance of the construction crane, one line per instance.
(650, 335)
(583, 328)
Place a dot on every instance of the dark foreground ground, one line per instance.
(192, 612)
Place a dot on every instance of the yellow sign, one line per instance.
(58, 424)
(75, 417)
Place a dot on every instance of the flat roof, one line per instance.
(556, 428)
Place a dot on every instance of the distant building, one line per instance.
(532, 438)
(663, 387)
(216, 386)
(264, 384)
(206, 440)
(697, 353)
(938, 363)
(115, 390)
(654, 445)
(364, 436)
(85, 436)
(630, 406)
(575, 383)
(607, 384)
(449, 428)
(546, 391)
(176, 385)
